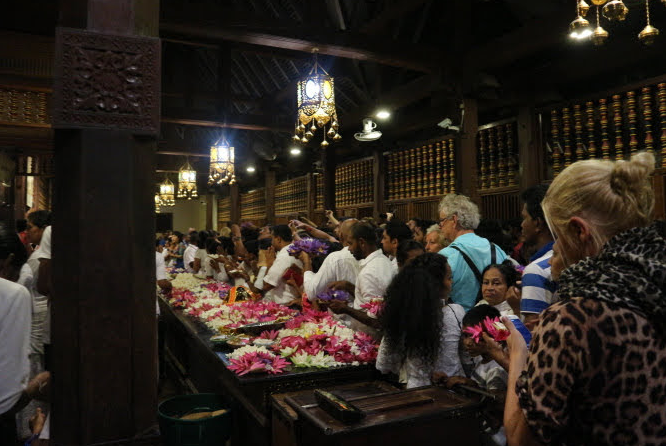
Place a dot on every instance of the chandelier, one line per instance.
(166, 193)
(187, 182)
(613, 11)
(221, 163)
(316, 106)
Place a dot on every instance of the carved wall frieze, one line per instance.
(106, 81)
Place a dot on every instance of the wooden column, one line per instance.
(465, 159)
(378, 177)
(103, 306)
(270, 196)
(329, 163)
(311, 186)
(235, 211)
(530, 153)
(210, 200)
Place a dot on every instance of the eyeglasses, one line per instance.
(442, 220)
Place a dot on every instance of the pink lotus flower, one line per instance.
(475, 331)
(269, 334)
(496, 329)
(258, 362)
(374, 307)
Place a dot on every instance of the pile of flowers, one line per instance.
(311, 246)
(494, 327)
(251, 359)
(315, 339)
(242, 313)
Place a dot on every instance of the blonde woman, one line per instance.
(595, 373)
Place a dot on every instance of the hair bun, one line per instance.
(631, 177)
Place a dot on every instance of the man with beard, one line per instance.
(393, 234)
(374, 277)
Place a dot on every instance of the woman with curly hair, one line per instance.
(421, 327)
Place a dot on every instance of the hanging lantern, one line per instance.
(615, 11)
(649, 33)
(167, 193)
(158, 202)
(187, 182)
(316, 102)
(221, 164)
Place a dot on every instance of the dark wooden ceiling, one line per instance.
(230, 67)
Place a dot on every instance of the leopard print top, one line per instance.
(596, 372)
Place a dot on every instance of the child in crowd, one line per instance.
(486, 374)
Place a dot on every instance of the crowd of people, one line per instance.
(563, 321)
(582, 283)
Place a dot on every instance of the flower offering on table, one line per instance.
(252, 359)
(310, 246)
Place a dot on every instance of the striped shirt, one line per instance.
(539, 290)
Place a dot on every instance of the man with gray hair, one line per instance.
(468, 254)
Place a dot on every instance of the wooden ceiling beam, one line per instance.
(241, 122)
(346, 45)
(396, 10)
(395, 99)
(536, 36)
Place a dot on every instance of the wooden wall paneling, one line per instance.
(504, 204)
(531, 157)
(224, 211)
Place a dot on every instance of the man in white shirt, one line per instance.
(337, 266)
(274, 285)
(190, 252)
(374, 277)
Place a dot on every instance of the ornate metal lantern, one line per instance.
(221, 164)
(316, 106)
(187, 182)
(167, 193)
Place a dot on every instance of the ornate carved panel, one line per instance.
(106, 81)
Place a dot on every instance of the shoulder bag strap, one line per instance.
(471, 264)
(493, 254)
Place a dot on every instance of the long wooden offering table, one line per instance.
(206, 367)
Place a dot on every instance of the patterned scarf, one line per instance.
(630, 271)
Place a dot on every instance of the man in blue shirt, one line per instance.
(458, 218)
(538, 287)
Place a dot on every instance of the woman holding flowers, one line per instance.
(421, 328)
(596, 369)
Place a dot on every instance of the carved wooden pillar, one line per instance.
(578, 127)
(210, 199)
(106, 117)
(464, 168)
(603, 117)
(566, 132)
(378, 182)
(235, 204)
(661, 97)
(631, 115)
(555, 133)
(530, 152)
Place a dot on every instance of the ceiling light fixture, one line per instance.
(315, 96)
(250, 169)
(613, 11)
(295, 151)
(221, 163)
(383, 114)
(187, 182)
